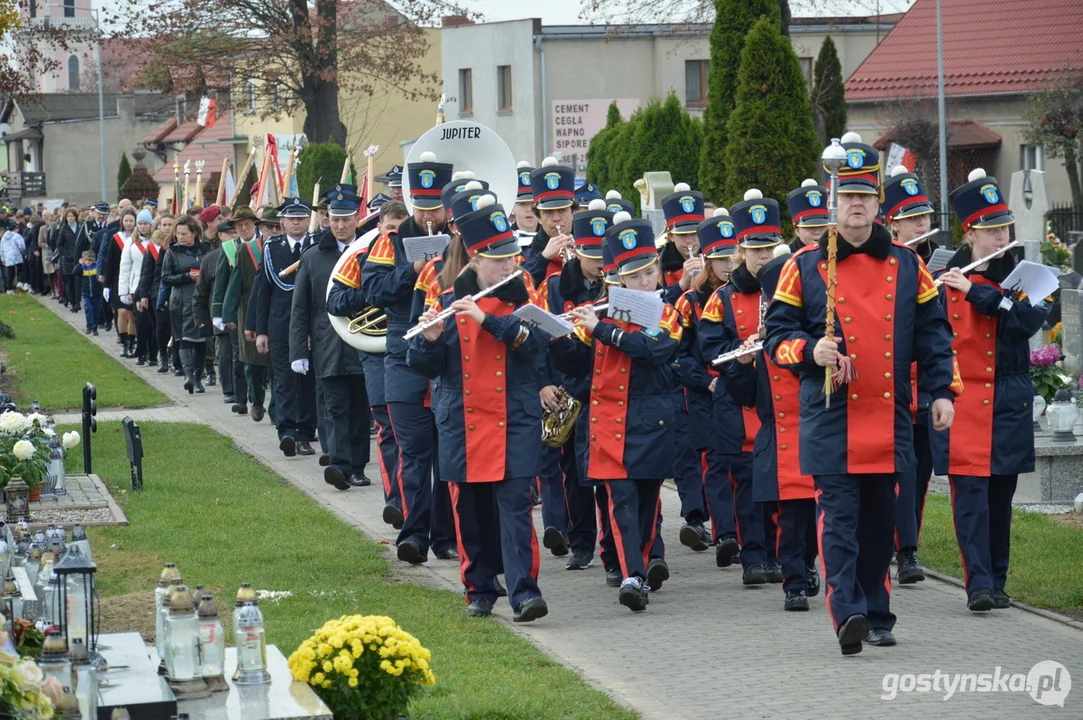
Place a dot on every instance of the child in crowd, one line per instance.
(12, 252)
(92, 290)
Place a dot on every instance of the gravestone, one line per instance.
(658, 185)
(1071, 315)
(1029, 202)
(1077, 257)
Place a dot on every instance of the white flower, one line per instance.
(24, 450)
(14, 423)
(48, 432)
(70, 440)
(37, 418)
(28, 675)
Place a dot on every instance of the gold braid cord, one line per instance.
(843, 372)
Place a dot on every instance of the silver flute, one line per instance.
(448, 312)
(982, 261)
(599, 306)
(919, 238)
(738, 353)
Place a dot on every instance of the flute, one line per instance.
(600, 306)
(919, 238)
(738, 353)
(982, 261)
(448, 312)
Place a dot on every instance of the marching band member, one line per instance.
(908, 213)
(630, 409)
(732, 316)
(553, 187)
(526, 222)
(856, 446)
(484, 362)
(808, 212)
(387, 282)
(567, 501)
(683, 210)
(615, 203)
(718, 240)
(773, 391)
(991, 441)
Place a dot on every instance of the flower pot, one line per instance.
(35, 494)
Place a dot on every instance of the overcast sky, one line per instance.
(566, 12)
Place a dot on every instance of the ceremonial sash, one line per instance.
(257, 254)
(155, 251)
(119, 240)
(230, 250)
(139, 246)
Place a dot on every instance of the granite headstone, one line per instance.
(1071, 317)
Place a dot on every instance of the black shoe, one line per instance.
(120, 338)
(480, 608)
(86, 331)
(94, 332)
(333, 476)
(304, 448)
(189, 384)
(694, 535)
(178, 372)
(448, 554)
(199, 386)
(288, 445)
(580, 560)
(754, 575)
(239, 409)
(852, 632)
(613, 577)
(359, 480)
(555, 541)
(228, 399)
(409, 552)
(980, 601)
(774, 573)
(910, 571)
(501, 591)
(1001, 601)
(324, 460)
(258, 411)
(164, 367)
(212, 379)
(530, 610)
(881, 638)
(812, 581)
(726, 552)
(142, 361)
(393, 516)
(796, 600)
(657, 573)
(633, 594)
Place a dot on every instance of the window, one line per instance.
(806, 67)
(69, 8)
(73, 73)
(1030, 158)
(466, 91)
(33, 8)
(250, 96)
(503, 77)
(695, 82)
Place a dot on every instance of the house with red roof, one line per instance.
(996, 52)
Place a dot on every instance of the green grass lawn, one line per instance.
(50, 362)
(1045, 560)
(225, 519)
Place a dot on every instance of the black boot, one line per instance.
(198, 377)
(189, 371)
(163, 365)
(212, 378)
(131, 347)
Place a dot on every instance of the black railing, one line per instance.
(1066, 222)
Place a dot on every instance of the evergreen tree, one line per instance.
(733, 20)
(320, 162)
(773, 144)
(598, 165)
(123, 173)
(829, 94)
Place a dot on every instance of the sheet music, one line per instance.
(940, 259)
(425, 247)
(1034, 279)
(537, 317)
(635, 306)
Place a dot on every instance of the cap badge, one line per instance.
(552, 180)
(989, 192)
(614, 208)
(628, 239)
(759, 214)
(499, 221)
(524, 179)
(474, 201)
(338, 197)
(725, 229)
(428, 177)
(855, 158)
(910, 186)
(815, 198)
(597, 226)
(688, 204)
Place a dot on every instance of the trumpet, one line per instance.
(568, 251)
(738, 353)
(982, 261)
(448, 312)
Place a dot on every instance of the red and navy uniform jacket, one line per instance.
(773, 391)
(991, 434)
(426, 289)
(920, 402)
(626, 429)
(731, 316)
(485, 389)
(561, 293)
(695, 372)
(535, 263)
(886, 317)
(386, 281)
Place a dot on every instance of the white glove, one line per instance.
(105, 294)
(300, 366)
(126, 299)
(217, 322)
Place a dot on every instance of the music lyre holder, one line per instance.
(133, 439)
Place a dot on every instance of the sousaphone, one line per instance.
(367, 330)
(473, 147)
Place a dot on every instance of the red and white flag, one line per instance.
(207, 110)
(898, 155)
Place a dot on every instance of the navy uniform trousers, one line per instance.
(855, 518)
(910, 498)
(635, 520)
(749, 514)
(567, 505)
(479, 508)
(346, 413)
(387, 448)
(718, 490)
(426, 508)
(294, 395)
(982, 510)
(687, 467)
(794, 540)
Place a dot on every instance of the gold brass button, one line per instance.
(621, 388)
(778, 397)
(466, 392)
(500, 424)
(662, 423)
(988, 335)
(892, 261)
(499, 373)
(466, 376)
(619, 421)
(854, 396)
(988, 369)
(781, 415)
(594, 419)
(593, 437)
(782, 447)
(887, 355)
(466, 339)
(888, 318)
(887, 396)
(470, 410)
(620, 403)
(848, 320)
(889, 278)
(742, 327)
(988, 385)
(775, 378)
(955, 334)
(597, 372)
(887, 376)
(466, 358)
(887, 337)
(888, 296)
(954, 352)
(954, 299)
(823, 266)
(500, 389)
(469, 427)
(594, 388)
(853, 339)
(853, 356)
(462, 321)
(740, 312)
(955, 316)
(624, 371)
(593, 402)
(499, 357)
(599, 353)
(988, 353)
(842, 300)
(782, 429)
(984, 402)
(618, 436)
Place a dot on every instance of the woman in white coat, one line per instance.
(131, 266)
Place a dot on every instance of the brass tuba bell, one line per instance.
(557, 425)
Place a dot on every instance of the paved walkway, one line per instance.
(707, 647)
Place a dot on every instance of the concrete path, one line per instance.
(707, 647)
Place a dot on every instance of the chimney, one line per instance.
(453, 21)
(126, 108)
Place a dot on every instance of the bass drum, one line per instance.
(358, 340)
